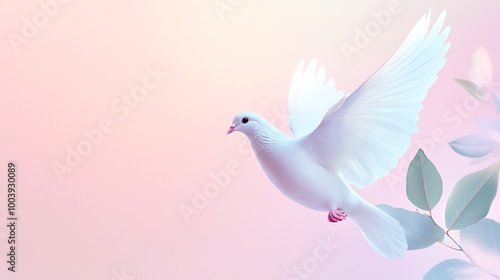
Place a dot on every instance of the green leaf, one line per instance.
(472, 88)
(481, 241)
(455, 269)
(421, 232)
(424, 186)
(471, 198)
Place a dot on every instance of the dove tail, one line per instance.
(383, 233)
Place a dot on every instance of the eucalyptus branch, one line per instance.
(460, 248)
(451, 247)
(441, 242)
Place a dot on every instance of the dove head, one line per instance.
(248, 123)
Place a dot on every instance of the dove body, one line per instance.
(292, 169)
(343, 140)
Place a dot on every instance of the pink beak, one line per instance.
(231, 129)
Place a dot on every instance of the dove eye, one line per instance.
(244, 120)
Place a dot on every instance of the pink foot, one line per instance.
(336, 216)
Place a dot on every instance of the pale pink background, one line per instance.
(119, 209)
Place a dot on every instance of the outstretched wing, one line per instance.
(310, 98)
(364, 138)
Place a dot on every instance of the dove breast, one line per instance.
(299, 177)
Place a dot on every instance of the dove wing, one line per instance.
(364, 138)
(310, 98)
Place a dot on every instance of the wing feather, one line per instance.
(364, 138)
(310, 98)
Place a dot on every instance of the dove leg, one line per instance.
(336, 215)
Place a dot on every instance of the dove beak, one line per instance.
(231, 129)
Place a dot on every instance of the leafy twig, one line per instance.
(460, 248)
(451, 247)
(440, 242)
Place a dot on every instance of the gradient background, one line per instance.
(117, 213)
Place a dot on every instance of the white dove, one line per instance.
(350, 139)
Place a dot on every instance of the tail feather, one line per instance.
(383, 233)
